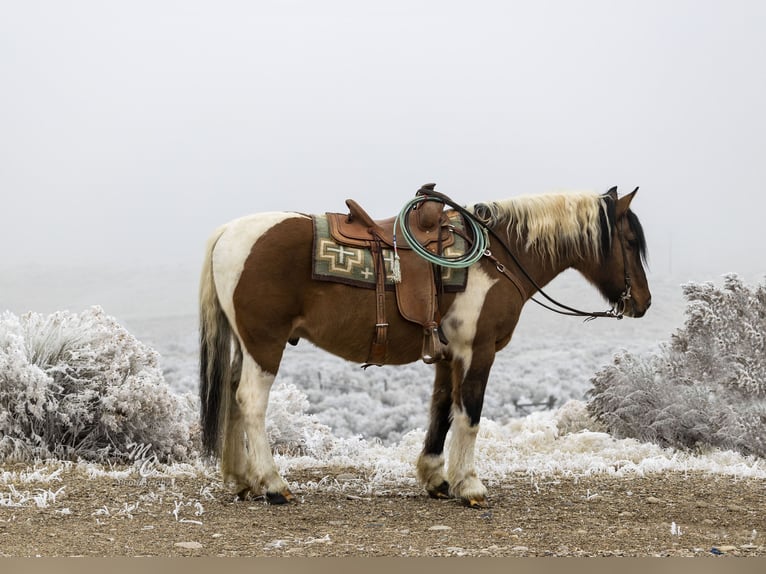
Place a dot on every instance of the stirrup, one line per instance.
(433, 349)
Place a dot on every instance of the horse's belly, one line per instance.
(349, 335)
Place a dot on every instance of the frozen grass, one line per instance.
(40, 498)
(564, 441)
(547, 444)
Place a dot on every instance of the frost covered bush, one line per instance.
(707, 387)
(298, 434)
(287, 422)
(384, 404)
(81, 386)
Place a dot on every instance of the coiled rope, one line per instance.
(473, 253)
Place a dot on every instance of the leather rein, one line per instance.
(618, 308)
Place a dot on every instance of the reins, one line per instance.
(616, 312)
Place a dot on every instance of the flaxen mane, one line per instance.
(556, 226)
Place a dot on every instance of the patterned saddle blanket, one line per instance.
(355, 265)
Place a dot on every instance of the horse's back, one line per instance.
(238, 238)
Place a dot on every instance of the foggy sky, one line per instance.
(130, 130)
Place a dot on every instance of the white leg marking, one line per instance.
(234, 455)
(460, 324)
(430, 468)
(253, 398)
(462, 477)
(462, 319)
(233, 249)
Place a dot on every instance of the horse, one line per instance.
(257, 293)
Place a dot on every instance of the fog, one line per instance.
(129, 131)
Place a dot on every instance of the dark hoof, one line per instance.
(244, 494)
(441, 492)
(284, 497)
(479, 503)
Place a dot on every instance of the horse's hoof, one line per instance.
(478, 502)
(441, 492)
(243, 494)
(284, 497)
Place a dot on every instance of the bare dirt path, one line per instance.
(671, 514)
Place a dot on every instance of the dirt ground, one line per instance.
(671, 514)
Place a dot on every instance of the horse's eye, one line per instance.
(632, 243)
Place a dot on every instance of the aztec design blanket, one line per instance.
(354, 265)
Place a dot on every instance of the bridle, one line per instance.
(617, 311)
(618, 308)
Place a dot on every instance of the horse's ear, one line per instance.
(624, 203)
(482, 212)
(612, 193)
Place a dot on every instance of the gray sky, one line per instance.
(130, 130)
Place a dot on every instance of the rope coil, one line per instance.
(471, 256)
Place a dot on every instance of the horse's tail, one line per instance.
(216, 370)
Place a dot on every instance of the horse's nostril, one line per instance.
(649, 302)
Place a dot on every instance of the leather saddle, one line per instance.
(427, 223)
(416, 292)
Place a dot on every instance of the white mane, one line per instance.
(554, 225)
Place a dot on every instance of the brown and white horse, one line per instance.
(257, 293)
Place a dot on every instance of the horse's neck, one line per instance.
(541, 269)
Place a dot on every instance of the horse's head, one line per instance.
(619, 275)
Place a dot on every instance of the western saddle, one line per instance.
(416, 292)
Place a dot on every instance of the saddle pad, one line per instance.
(354, 265)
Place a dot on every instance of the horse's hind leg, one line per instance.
(234, 455)
(430, 465)
(252, 398)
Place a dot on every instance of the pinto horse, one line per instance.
(257, 293)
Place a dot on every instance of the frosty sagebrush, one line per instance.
(81, 386)
(707, 387)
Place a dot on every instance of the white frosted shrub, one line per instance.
(707, 387)
(81, 386)
(287, 422)
(383, 403)
(724, 336)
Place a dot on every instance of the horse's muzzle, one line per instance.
(635, 310)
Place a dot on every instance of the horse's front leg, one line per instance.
(430, 466)
(467, 402)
